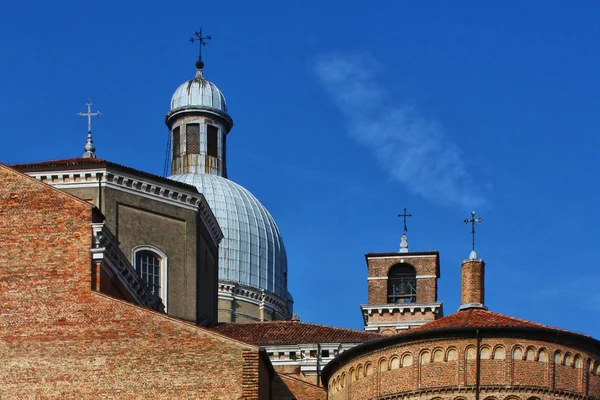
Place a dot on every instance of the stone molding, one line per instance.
(106, 252)
(259, 297)
(103, 177)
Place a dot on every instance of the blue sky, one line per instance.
(345, 113)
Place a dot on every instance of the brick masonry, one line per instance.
(472, 283)
(60, 339)
(445, 368)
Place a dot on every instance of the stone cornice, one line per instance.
(259, 297)
(402, 308)
(126, 182)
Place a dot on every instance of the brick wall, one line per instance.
(441, 366)
(287, 388)
(59, 339)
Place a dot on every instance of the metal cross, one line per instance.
(472, 221)
(89, 114)
(404, 216)
(202, 39)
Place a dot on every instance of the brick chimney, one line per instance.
(472, 291)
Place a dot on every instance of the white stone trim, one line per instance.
(402, 256)
(164, 270)
(377, 278)
(263, 299)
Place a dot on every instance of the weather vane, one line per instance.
(404, 217)
(89, 148)
(202, 42)
(472, 221)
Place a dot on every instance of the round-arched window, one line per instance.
(147, 265)
(402, 284)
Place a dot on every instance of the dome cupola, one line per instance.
(199, 93)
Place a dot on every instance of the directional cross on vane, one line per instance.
(202, 39)
(404, 217)
(472, 221)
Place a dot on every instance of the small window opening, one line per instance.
(312, 354)
(402, 284)
(325, 353)
(212, 140)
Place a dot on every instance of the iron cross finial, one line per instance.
(90, 149)
(404, 217)
(472, 221)
(202, 42)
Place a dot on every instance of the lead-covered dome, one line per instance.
(199, 93)
(252, 252)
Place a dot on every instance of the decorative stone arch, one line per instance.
(438, 355)
(577, 361)
(351, 374)
(407, 360)
(533, 398)
(451, 354)
(542, 355)
(343, 380)
(499, 352)
(359, 371)
(394, 362)
(512, 397)
(164, 268)
(368, 369)
(382, 365)
(470, 353)
(424, 357)
(491, 398)
(568, 359)
(558, 357)
(530, 353)
(517, 352)
(486, 352)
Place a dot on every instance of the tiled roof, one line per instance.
(477, 318)
(292, 332)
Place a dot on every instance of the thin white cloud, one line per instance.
(412, 149)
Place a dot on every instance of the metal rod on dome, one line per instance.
(472, 221)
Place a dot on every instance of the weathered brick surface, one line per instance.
(378, 374)
(472, 287)
(60, 339)
(287, 387)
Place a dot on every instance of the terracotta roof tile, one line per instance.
(477, 318)
(292, 332)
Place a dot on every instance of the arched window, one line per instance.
(151, 265)
(402, 284)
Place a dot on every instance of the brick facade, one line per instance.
(445, 367)
(61, 339)
(388, 316)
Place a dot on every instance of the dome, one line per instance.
(252, 252)
(199, 92)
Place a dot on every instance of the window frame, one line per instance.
(164, 271)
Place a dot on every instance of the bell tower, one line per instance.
(402, 289)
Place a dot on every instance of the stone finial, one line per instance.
(404, 244)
